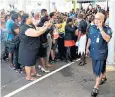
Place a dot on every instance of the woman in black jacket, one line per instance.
(69, 42)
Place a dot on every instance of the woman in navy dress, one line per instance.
(29, 45)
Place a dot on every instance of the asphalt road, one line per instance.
(72, 81)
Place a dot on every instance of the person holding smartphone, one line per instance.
(98, 38)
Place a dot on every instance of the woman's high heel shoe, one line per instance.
(43, 70)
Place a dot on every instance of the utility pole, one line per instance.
(74, 4)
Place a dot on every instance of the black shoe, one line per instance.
(85, 62)
(79, 63)
(54, 61)
(103, 81)
(82, 63)
(5, 59)
(71, 60)
(95, 92)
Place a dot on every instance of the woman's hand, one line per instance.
(47, 24)
(87, 52)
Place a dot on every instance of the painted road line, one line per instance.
(39, 79)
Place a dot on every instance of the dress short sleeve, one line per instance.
(109, 31)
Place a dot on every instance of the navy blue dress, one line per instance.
(98, 49)
(28, 48)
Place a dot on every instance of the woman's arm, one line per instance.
(88, 45)
(105, 36)
(34, 33)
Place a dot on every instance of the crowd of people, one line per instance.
(56, 36)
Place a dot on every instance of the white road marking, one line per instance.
(39, 79)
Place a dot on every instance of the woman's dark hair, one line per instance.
(69, 20)
(92, 17)
(24, 17)
(6, 17)
(43, 11)
(52, 14)
(44, 19)
(12, 12)
(14, 16)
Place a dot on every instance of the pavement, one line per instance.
(71, 81)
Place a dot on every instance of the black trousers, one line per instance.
(61, 48)
(70, 53)
(15, 58)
